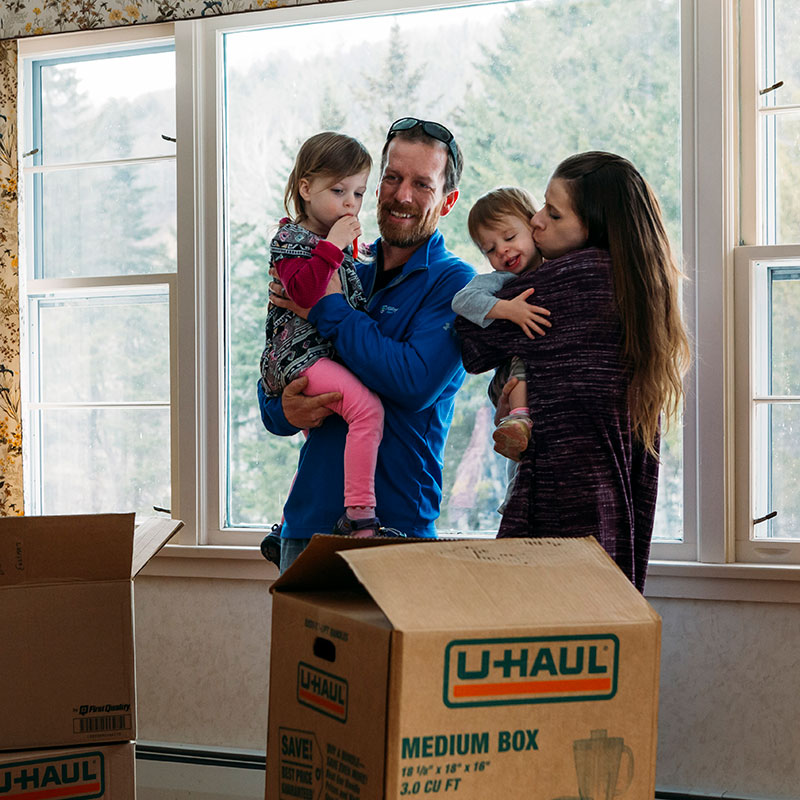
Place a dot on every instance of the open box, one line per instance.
(513, 668)
(66, 626)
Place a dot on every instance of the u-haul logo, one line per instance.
(322, 691)
(77, 777)
(539, 669)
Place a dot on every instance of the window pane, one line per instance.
(108, 221)
(668, 525)
(104, 349)
(509, 114)
(475, 476)
(783, 180)
(105, 108)
(777, 470)
(784, 16)
(258, 496)
(784, 352)
(105, 460)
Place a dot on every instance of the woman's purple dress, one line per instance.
(584, 472)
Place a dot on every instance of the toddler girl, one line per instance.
(323, 196)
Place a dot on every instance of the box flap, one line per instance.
(448, 585)
(54, 549)
(318, 567)
(149, 538)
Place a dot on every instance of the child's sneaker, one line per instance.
(360, 528)
(271, 545)
(364, 528)
(512, 435)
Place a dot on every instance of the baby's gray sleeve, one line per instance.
(477, 298)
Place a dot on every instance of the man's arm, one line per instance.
(412, 372)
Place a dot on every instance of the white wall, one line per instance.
(202, 656)
(730, 686)
(729, 716)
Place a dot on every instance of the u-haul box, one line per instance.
(66, 626)
(515, 668)
(104, 772)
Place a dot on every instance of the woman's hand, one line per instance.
(503, 403)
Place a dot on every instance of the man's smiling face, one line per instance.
(411, 194)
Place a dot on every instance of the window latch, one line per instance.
(771, 88)
(31, 152)
(168, 138)
(759, 520)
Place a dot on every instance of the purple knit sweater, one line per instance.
(583, 473)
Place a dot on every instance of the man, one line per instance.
(404, 348)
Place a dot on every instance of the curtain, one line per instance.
(36, 17)
(10, 425)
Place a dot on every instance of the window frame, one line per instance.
(751, 248)
(33, 288)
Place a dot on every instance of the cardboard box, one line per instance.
(106, 771)
(514, 668)
(66, 627)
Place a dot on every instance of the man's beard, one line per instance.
(401, 235)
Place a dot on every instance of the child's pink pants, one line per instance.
(363, 412)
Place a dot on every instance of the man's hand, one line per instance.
(518, 310)
(503, 403)
(306, 412)
(344, 230)
(334, 285)
(279, 298)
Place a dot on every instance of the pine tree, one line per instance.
(392, 91)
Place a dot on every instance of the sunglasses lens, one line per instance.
(437, 131)
(404, 124)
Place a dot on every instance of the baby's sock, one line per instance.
(360, 512)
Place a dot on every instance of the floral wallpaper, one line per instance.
(36, 17)
(10, 423)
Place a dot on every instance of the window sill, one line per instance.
(755, 583)
(211, 561)
(761, 583)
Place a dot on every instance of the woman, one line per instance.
(601, 376)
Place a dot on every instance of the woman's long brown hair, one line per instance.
(622, 215)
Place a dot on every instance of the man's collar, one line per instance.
(419, 258)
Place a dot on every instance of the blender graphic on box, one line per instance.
(598, 764)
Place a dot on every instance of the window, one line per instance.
(170, 243)
(767, 286)
(99, 279)
(510, 117)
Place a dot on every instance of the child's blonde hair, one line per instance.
(504, 201)
(325, 155)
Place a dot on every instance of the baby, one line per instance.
(500, 225)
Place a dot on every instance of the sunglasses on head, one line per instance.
(433, 129)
